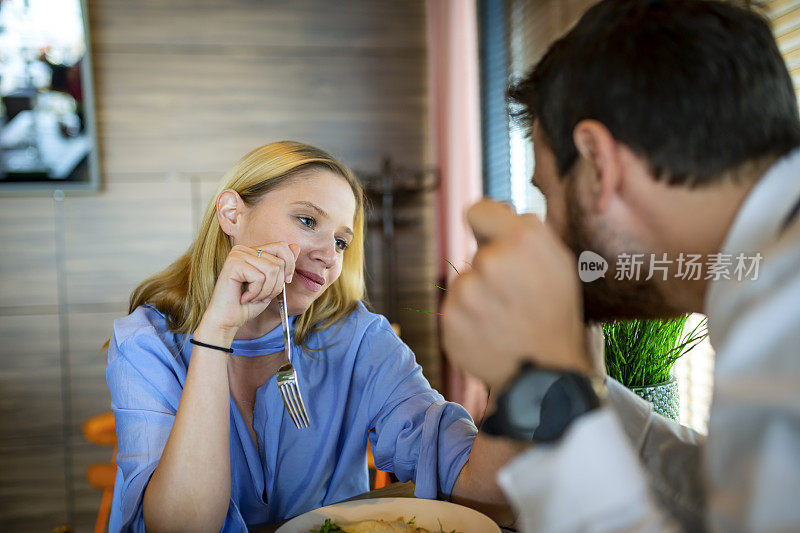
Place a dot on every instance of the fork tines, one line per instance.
(294, 404)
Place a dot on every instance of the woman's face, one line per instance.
(315, 210)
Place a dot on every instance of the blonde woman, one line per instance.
(204, 441)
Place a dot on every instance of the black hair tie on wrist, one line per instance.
(204, 345)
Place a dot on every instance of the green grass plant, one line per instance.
(640, 353)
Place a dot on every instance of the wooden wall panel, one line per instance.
(205, 190)
(116, 240)
(31, 407)
(32, 490)
(374, 25)
(200, 113)
(28, 273)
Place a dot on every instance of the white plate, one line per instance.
(426, 513)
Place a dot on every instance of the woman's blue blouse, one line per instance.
(360, 382)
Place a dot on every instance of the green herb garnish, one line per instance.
(326, 527)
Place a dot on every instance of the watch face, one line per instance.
(526, 395)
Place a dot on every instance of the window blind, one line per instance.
(785, 18)
(494, 118)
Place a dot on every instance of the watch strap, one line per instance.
(567, 396)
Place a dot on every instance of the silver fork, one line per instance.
(287, 377)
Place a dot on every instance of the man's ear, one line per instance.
(230, 207)
(598, 148)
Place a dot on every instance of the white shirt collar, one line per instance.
(762, 213)
(758, 222)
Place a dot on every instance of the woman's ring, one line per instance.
(260, 251)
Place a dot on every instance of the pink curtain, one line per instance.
(454, 97)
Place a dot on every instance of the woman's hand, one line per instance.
(247, 284)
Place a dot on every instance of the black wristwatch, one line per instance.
(539, 404)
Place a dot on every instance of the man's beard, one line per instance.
(606, 298)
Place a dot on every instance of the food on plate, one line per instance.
(375, 526)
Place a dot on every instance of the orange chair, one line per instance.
(100, 430)
(381, 478)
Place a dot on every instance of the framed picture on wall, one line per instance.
(48, 136)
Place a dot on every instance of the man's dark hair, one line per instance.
(695, 87)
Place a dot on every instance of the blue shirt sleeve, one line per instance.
(413, 431)
(145, 389)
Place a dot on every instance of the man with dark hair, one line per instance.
(662, 130)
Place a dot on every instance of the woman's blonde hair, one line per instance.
(182, 291)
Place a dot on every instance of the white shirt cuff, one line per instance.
(590, 480)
